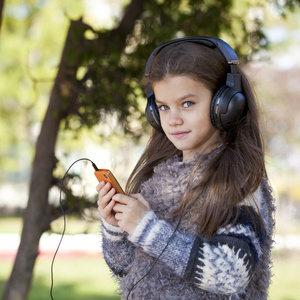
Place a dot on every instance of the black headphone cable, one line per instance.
(64, 216)
(156, 260)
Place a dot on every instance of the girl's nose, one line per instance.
(175, 118)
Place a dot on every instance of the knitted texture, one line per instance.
(234, 265)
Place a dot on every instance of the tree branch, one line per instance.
(132, 13)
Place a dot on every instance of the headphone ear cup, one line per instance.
(214, 107)
(227, 107)
(152, 113)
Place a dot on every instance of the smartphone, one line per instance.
(107, 176)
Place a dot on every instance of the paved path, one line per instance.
(90, 244)
(70, 245)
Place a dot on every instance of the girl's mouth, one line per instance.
(179, 134)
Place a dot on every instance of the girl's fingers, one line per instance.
(123, 199)
(105, 195)
(140, 198)
(104, 200)
(107, 210)
(100, 186)
(105, 189)
(119, 208)
(118, 216)
(133, 200)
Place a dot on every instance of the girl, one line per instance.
(198, 219)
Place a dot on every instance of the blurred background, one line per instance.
(71, 88)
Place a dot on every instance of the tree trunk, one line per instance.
(37, 218)
(1, 12)
(34, 221)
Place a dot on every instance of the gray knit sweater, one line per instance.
(235, 264)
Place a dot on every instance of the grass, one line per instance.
(286, 281)
(87, 277)
(76, 278)
(10, 225)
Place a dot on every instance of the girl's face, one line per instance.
(184, 109)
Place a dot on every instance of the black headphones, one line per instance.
(227, 104)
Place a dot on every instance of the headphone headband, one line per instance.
(210, 42)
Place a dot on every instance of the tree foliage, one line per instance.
(107, 79)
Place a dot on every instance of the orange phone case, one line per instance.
(107, 176)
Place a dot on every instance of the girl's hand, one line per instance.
(105, 202)
(130, 210)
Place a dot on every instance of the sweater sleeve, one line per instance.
(223, 265)
(118, 251)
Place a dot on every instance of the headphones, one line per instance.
(227, 104)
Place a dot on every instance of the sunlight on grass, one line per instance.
(11, 225)
(75, 225)
(75, 278)
(286, 280)
(87, 277)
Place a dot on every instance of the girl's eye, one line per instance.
(163, 107)
(188, 104)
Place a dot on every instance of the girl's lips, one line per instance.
(179, 134)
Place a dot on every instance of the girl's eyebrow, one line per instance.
(179, 99)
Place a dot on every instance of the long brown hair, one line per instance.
(237, 168)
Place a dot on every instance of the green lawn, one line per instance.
(88, 278)
(75, 278)
(286, 280)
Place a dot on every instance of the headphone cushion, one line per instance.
(227, 107)
(214, 117)
(152, 113)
